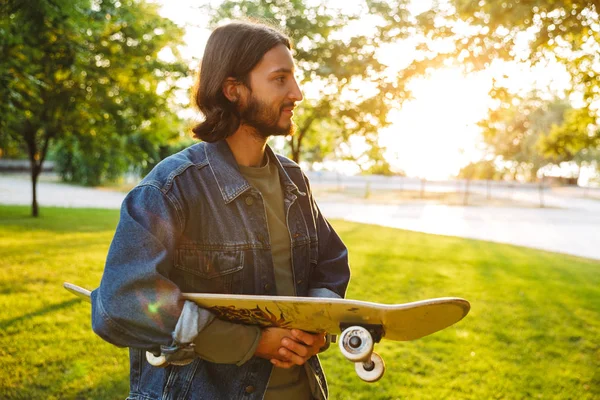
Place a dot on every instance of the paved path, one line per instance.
(16, 189)
(568, 231)
(572, 230)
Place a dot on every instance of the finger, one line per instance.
(291, 356)
(304, 337)
(316, 340)
(321, 339)
(282, 364)
(294, 346)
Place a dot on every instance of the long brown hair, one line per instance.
(232, 50)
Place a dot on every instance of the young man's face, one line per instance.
(268, 106)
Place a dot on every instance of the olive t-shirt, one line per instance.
(266, 181)
(292, 383)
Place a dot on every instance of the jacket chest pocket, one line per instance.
(209, 271)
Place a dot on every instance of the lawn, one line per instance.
(533, 331)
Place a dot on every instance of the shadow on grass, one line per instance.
(40, 387)
(46, 310)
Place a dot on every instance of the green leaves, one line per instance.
(347, 91)
(571, 139)
(531, 131)
(80, 79)
(85, 77)
(566, 31)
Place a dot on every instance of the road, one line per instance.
(572, 229)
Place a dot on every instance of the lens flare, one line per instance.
(153, 308)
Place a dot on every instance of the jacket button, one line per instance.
(260, 237)
(250, 389)
(297, 235)
(267, 286)
(249, 200)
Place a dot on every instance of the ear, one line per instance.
(231, 90)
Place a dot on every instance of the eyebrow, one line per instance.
(280, 70)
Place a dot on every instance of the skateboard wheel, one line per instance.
(356, 343)
(155, 361)
(370, 371)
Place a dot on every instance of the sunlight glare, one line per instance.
(435, 133)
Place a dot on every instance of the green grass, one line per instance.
(533, 331)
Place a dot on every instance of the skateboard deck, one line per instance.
(401, 322)
(360, 323)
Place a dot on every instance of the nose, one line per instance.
(295, 93)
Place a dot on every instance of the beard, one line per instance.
(265, 119)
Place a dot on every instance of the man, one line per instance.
(224, 216)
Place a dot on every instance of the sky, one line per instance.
(435, 133)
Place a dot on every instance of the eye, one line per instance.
(280, 79)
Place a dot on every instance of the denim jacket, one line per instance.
(194, 224)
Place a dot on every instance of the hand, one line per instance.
(285, 348)
(270, 342)
(298, 350)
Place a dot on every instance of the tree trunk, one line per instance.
(29, 136)
(296, 144)
(295, 153)
(576, 177)
(36, 160)
(541, 191)
(35, 173)
(466, 198)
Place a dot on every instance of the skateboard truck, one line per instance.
(356, 344)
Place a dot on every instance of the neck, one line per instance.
(247, 146)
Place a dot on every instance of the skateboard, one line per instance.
(359, 324)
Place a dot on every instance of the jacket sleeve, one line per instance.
(331, 275)
(136, 304)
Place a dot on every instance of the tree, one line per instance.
(514, 129)
(566, 32)
(577, 139)
(353, 93)
(85, 76)
(484, 169)
(38, 55)
(134, 119)
(371, 161)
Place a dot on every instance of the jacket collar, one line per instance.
(228, 176)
